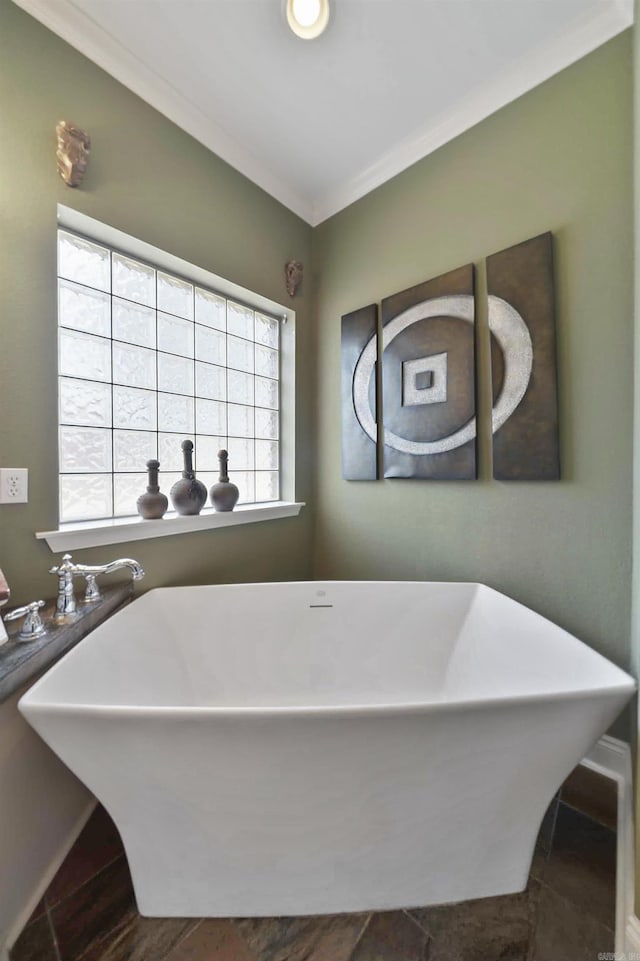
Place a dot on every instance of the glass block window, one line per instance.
(146, 360)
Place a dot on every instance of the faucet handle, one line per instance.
(92, 592)
(65, 568)
(33, 626)
(65, 572)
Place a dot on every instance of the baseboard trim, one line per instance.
(47, 877)
(612, 758)
(633, 938)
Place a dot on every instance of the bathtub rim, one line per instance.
(191, 712)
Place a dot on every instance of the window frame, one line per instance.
(119, 530)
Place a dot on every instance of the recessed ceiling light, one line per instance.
(307, 18)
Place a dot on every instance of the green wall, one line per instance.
(153, 181)
(557, 159)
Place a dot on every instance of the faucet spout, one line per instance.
(68, 570)
(91, 571)
(94, 569)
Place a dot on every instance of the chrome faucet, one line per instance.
(92, 592)
(65, 572)
(33, 626)
(66, 602)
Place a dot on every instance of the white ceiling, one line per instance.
(320, 123)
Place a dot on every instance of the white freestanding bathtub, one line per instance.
(279, 749)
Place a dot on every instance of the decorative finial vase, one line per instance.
(152, 505)
(224, 494)
(188, 495)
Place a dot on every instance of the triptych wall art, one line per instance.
(411, 389)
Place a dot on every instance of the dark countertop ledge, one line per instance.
(22, 661)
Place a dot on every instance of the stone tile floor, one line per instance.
(566, 913)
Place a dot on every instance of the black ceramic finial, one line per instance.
(188, 495)
(187, 453)
(153, 466)
(152, 505)
(223, 460)
(224, 495)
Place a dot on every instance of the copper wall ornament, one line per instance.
(74, 147)
(293, 276)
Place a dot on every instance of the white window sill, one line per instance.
(120, 530)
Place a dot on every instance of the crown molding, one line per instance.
(529, 72)
(78, 29)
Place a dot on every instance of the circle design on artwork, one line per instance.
(513, 337)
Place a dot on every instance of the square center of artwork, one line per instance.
(424, 380)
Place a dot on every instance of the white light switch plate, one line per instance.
(14, 485)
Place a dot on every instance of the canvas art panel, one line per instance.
(523, 361)
(359, 396)
(428, 379)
